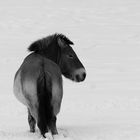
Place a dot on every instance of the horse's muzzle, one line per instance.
(79, 75)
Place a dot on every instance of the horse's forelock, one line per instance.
(65, 39)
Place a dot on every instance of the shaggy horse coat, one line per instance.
(38, 82)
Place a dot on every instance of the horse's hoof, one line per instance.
(32, 130)
(48, 136)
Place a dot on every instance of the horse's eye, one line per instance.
(70, 56)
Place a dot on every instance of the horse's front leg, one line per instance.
(31, 122)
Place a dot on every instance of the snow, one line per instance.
(107, 38)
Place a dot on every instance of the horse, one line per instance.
(38, 81)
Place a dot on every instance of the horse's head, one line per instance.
(57, 48)
(70, 65)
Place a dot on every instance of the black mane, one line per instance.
(41, 44)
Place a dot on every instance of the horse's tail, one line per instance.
(44, 88)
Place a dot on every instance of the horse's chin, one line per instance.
(68, 76)
(72, 78)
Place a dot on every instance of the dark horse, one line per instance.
(38, 82)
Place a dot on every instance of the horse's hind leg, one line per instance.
(42, 126)
(52, 126)
(31, 122)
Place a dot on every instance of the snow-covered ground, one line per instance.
(106, 34)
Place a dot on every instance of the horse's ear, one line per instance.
(61, 43)
(35, 46)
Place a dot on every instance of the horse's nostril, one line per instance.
(84, 75)
(79, 75)
(77, 78)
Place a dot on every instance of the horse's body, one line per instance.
(38, 82)
(34, 67)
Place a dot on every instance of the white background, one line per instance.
(106, 34)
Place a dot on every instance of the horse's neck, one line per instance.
(53, 56)
(53, 53)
